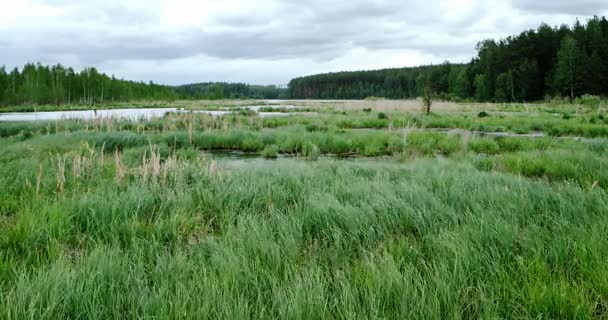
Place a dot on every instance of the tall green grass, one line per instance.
(433, 239)
(118, 221)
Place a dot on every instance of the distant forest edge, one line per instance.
(549, 61)
(37, 84)
(561, 61)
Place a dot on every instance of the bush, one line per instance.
(270, 152)
(26, 135)
(588, 100)
(382, 116)
(367, 110)
(483, 114)
(556, 100)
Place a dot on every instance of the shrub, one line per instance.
(270, 152)
(26, 135)
(588, 100)
(382, 116)
(483, 114)
(556, 100)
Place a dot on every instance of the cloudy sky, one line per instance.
(263, 41)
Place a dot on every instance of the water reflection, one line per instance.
(129, 113)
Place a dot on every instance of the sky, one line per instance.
(263, 41)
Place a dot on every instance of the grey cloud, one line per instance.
(318, 32)
(574, 7)
(307, 27)
(104, 11)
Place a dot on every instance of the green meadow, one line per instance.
(339, 211)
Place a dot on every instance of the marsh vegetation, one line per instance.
(114, 218)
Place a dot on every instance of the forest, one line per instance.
(559, 61)
(223, 90)
(37, 84)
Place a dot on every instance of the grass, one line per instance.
(583, 168)
(119, 219)
(270, 151)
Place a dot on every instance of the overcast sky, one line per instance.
(263, 41)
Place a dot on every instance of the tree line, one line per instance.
(38, 84)
(223, 90)
(548, 61)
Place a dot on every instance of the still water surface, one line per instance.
(130, 114)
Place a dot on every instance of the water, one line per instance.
(240, 159)
(258, 107)
(134, 114)
(309, 100)
(130, 113)
(459, 131)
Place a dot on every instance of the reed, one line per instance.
(411, 223)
